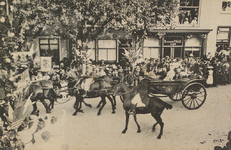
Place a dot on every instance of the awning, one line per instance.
(205, 31)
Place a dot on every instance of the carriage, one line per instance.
(191, 92)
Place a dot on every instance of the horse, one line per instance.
(153, 105)
(87, 87)
(41, 90)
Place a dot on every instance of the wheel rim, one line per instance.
(194, 96)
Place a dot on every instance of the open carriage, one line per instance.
(191, 92)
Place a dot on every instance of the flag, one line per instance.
(20, 113)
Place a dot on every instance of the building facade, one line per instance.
(203, 26)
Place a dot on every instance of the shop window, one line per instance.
(188, 12)
(50, 47)
(226, 6)
(223, 37)
(107, 50)
(192, 50)
(151, 48)
(193, 45)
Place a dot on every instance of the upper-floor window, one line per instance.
(226, 6)
(188, 12)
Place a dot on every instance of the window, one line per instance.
(151, 48)
(193, 45)
(107, 50)
(226, 6)
(188, 13)
(50, 47)
(223, 37)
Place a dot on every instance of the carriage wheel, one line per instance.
(176, 96)
(194, 96)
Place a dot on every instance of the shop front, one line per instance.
(175, 43)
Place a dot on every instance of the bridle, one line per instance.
(121, 94)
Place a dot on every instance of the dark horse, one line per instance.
(99, 87)
(41, 90)
(153, 105)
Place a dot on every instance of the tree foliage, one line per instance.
(85, 19)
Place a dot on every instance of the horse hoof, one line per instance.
(81, 111)
(138, 131)
(159, 136)
(74, 114)
(113, 112)
(90, 106)
(124, 131)
(153, 129)
(98, 106)
(99, 113)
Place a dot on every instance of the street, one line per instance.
(200, 129)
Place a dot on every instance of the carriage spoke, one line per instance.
(187, 98)
(199, 99)
(197, 102)
(194, 103)
(188, 101)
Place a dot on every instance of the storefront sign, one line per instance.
(173, 41)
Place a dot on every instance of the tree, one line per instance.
(87, 19)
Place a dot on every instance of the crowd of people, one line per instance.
(215, 69)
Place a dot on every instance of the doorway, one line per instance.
(173, 52)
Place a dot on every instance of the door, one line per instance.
(173, 52)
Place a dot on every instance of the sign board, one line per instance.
(46, 64)
(173, 41)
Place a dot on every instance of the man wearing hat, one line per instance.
(150, 65)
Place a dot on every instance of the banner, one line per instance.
(46, 64)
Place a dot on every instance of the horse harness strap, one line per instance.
(125, 92)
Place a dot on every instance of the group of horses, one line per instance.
(105, 87)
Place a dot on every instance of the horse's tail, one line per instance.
(162, 103)
(167, 106)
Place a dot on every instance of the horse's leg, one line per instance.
(160, 122)
(127, 120)
(53, 97)
(112, 104)
(77, 105)
(114, 100)
(86, 104)
(80, 105)
(98, 106)
(138, 126)
(45, 105)
(104, 103)
(154, 126)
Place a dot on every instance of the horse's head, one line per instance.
(119, 88)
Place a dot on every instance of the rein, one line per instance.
(120, 94)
